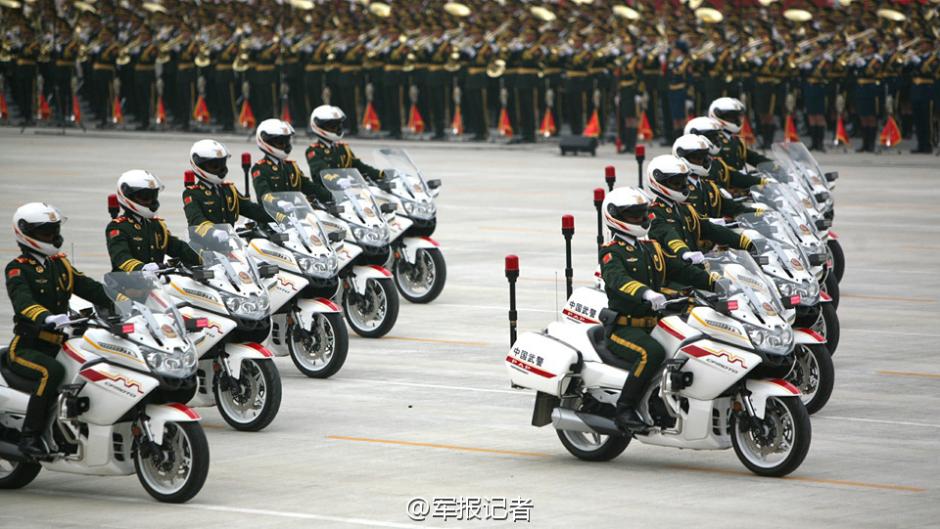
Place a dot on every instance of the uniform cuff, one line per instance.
(36, 313)
(633, 288)
(678, 246)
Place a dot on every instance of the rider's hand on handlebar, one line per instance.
(150, 267)
(220, 236)
(285, 206)
(693, 257)
(57, 321)
(657, 300)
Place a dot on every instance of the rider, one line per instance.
(139, 239)
(40, 282)
(677, 224)
(212, 200)
(721, 172)
(635, 269)
(330, 153)
(730, 114)
(274, 173)
(708, 198)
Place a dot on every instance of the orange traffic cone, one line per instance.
(548, 127)
(415, 121)
(4, 111)
(645, 131)
(117, 115)
(505, 127)
(43, 112)
(842, 137)
(246, 118)
(201, 111)
(456, 124)
(593, 127)
(370, 119)
(160, 117)
(891, 134)
(285, 114)
(789, 130)
(76, 110)
(747, 133)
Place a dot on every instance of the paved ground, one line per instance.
(427, 411)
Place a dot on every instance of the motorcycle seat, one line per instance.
(13, 380)
(598, 338)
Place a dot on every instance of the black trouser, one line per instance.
(62, 92)
(296, 102)
(185, 94)
(143, 87)
(474, 108)
(437, 101)
(575, 89)
(626, 117)
(24, 90)
(36, 360)
(646, 355)
(262, 94)
(313, 90)
(525, 94)
(225, 96)
(922, 104)
(394, 98)
(347, 99)
(102, 94)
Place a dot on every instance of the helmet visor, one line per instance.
(700, 158)
(674, 181)
(48, 232)
(713, 136)
(280, 142)
(216, 166)
(144, 197)
(731, 116)
(331, 125)
(631, 214)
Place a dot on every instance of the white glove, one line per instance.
(57, 320)
(220, 236)
(657, 300)
(285, 206)
(150, 267)
(693, 257)
(718, 221)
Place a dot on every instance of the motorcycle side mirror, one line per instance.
(791, 301)
(822, 196)
(336, 236)
(818, 259)
(267, 270)
(434, 184)
(279, 237)
(822, 224)
(387, 207)
(203, 275)
(87, 312)
(763, 260)
(832, 176)
(195, 324)
(727, 306)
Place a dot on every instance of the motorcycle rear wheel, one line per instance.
(786, 420)
(592, 447)
(17, 474)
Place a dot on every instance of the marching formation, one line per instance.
(512, 68)
(101, 377)
(713, 320)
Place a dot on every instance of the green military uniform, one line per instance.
(207, 204)
(681, 228)
(734, 180)
(276, 176)
(321, 156)
(629, 270)
(706, 197)
(38, 289)
(736, 154)
(133, 242)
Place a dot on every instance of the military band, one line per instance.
(658, 63)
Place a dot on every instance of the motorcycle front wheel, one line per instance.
(250, 403)
(813, 374)
(319, 352)
(777, 444)
(423, 280)
(831, 287)
(176, 471)
(838, 258)
(372, 314)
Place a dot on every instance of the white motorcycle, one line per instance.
(306, 324)
(419, 267)
(720, 386)
(118, 412)
(236, 373)
(369, 298)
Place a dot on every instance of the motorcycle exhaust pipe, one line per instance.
(563, 419)
(11, 452)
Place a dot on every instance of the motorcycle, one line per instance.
(368, 297)
(235, 373)
(118, 412)
(720, 386)
(306, 324)
(419, 268)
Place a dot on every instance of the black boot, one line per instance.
(767, 137)
(627, 418)
(31, 443)
(629, 141)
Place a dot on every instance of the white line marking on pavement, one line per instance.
(233, 510)
(489, 307)
(895, 333)
(879, 421)
(437, 386)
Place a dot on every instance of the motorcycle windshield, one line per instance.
(306, 237)
(402, 174)
(802, 160)
(776, 170)
(235, 276)
(356, 205)
(786, 200)
(778, 238)
(136, 293)
(746, 282)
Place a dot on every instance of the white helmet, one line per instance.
(695, 151)
(327, 122)
(273, 136)
(627, 212)
(708, 127)
(139, 192)
(668, 178)
(38, 226)
(729, 112)
(209, 159)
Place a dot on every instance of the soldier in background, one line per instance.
(26, 50)
(144, 77)
(477, 54)
(394, 80)
(578, 62)
(627, 89)
(924, 70)
(223, 51)
(262, 76)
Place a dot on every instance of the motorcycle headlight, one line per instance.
(252, 307)
(178, 364)
(322, 266)
(419, 210)
(370, 236)
(777, 341)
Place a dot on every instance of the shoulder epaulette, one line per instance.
(22, 260)
(56, 257)
(118, 220)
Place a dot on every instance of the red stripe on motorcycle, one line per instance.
(191, 413)
(575, 316)
(328, 303)
(671, 331)
(73, 353)
(528, 367)
(784, 384)
(825, 297)
(432, 241)
(818, 337)
(261, 349)
(384, 271)
(92, 375)
(832, 235)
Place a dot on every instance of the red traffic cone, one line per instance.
(644, 132)
(4, 111)
(415, 121)
(370, 119)
(117, 115)
(842, 137)
(160, 117)
(505, 127)
(548, 127)
(246, 118)
(891, 134)
(76, 110)
(456, 124)
(285, 114)
(201, 111)
(43, 112)
(789, 130)
(593, 127)
(747, 133)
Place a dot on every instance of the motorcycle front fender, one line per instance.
(236, 353)
(160, 414)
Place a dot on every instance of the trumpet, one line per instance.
(124, 56)
(166, 48)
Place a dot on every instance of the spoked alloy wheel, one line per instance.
(253, 402)
(813, 374)
(838, 257)
(319, 352)
(373, 314)
(777, 444)
(175, 471)
(422, 281)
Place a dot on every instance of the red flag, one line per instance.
(842, 137)
(160, 117)
(456, 124)
(43, 112)
(201, 111)
(593, 127)
(891, 134)
(505, 127)
(747, 133)
(117, 115)
(4, 111)
(370, 119)
(548, 127)
(285, 114)
(415, 121)
(645, 131)
(76, 110)
(789, 130)
(246, 118)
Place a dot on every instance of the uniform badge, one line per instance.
(168, 331)
(632, 259)
(187, 200)
(607, 258)
(114, 233)
(14, 272)
(311, 153)
(40, 269)
(629, 247)
(256, 174)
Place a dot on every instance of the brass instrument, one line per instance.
(708, 15)
(496, 68)
(163, 56)
(124, 56)
(243, 60)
